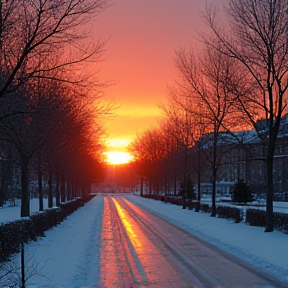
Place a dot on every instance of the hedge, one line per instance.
(205, 208)
(27, 229)
(193, 204)
(256, 217)
(228, 212)
(280, 222)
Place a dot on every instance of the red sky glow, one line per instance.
(144, 36)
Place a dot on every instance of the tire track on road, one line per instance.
(210, 265)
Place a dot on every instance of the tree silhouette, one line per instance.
(242, 192)
(257, 38)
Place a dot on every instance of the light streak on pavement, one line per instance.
(139, 249)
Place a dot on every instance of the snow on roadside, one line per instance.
(268, 252)
(69, 254)
(11, 213)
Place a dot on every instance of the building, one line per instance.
(242, 156)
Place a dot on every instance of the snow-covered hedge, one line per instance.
(228, 212)
(256, 217)
(27, 229)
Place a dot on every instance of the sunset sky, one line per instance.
(144, 36)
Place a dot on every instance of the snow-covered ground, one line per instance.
(69, 255)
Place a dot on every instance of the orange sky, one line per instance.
(144, 35)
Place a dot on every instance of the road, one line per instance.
(139, 249)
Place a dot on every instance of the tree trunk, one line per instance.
(141, 186)
(73, 187)
(214, 172)
(4, 191)
(57, 192)
(184, 192)
(184, 202)
(213, 213)
(68, 190)
(185, 178)
(273, 133)
(25, 201)
(269, 193)
(63, 196)
(50, 193)
(78, 189)
(40, 190)
(199, 186)
(175, 184)
(199, 175)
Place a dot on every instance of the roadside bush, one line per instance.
(228, 212)
(71, 206)
(242, 192)
(187, 191)
(10, 238)
(29, 228)
(280, 222)
(193, 205)
(87, 198)
(173, 200)
(205, 208)
(150, 196)
(255, 217)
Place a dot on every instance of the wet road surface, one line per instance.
(140, 249)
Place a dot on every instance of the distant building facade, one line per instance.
(242, 156)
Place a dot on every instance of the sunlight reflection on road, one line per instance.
(131, 253)
(128, 226)
(139, 249)
(109, 269)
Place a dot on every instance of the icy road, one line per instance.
(140, 249)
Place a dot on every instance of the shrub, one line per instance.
(242, 192)
(205, 208)
(228, 212)
(280, 221)
(193, 205)
(255, 217)
(29, 228)
(187, 192)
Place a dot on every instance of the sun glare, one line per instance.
(118, 157)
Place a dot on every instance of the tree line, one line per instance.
(50, 105)
(236, 78)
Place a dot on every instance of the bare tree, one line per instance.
(58, 120)
(32, 31)
(20, 131)
(205, 94)
(72, 138)
(150, 149)
(41, 39)
(172, 160)
(257, 37)
(182, 127)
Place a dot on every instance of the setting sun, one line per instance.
(118, 157)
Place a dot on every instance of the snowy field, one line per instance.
(69, 254)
